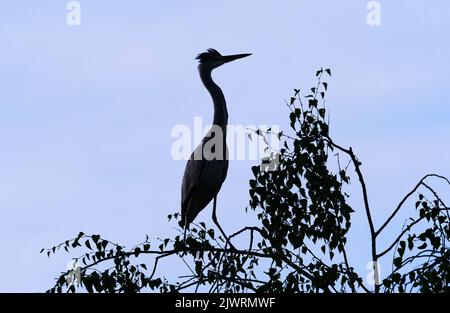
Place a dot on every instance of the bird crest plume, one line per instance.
(209, 54)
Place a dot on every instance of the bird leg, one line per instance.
(184, 236)
(214, 217)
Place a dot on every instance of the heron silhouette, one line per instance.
(207, 166)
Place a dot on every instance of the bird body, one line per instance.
(202, 181)
(207, 167)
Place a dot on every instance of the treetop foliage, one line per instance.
(300, 238)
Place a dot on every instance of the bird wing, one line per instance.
(193, 175)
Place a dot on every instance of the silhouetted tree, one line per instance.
(299, 243)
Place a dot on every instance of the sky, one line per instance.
(86, 112)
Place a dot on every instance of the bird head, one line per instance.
(212, 58)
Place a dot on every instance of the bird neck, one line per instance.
(220, 106)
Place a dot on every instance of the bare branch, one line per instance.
(399, 206)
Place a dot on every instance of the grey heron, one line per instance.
(206, 171)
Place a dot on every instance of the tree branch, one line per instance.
(406, 198)
(357, 165)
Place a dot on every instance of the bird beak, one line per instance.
(229, 58)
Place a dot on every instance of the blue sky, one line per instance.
(86, 112)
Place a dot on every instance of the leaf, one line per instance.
(313, 103)
(328, 71)
(95, 238)
(410, 243)
(396, 277)
(331, 255)
(255, 170)
(422, 246)
(422, 212)
(322, 112)
(293, 119)
(280, 134)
